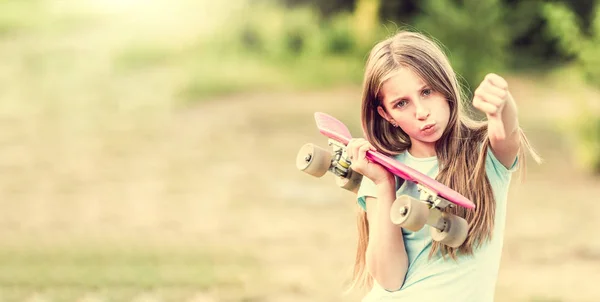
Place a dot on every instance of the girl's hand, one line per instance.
(490, 97)
(357, 153)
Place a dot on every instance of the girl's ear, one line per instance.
(384, 114)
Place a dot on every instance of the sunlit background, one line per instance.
(147, 148)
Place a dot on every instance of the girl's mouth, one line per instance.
(428, 129)
(428, 126)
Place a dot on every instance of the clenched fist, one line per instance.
(357, 153)
(490, 97)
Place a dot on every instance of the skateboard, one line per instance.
(406, 212)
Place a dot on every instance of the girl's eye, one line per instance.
(426, 92)
(402, 103)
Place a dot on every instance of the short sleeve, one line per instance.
(367, 188)
(499, 177)
(496, 168)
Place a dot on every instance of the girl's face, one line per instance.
(411, 104)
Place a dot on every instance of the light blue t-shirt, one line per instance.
(469, 278)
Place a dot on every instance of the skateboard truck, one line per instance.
(436, 204)
(433, 198)
(340, 165)
(346, 178)
(317, 161)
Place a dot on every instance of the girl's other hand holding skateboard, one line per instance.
(357, 153)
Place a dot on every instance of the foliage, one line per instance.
(476, 46)
(566, 28)
(272, 47)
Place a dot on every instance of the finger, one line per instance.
(350, 149)
(496, 80)
(354, 144)
(485, 107)
(494, 90)
(353, 147)
(362, 151)
(496, 127)
(490, 98)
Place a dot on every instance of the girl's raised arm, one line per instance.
(494, 99)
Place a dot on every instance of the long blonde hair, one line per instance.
(461, 150)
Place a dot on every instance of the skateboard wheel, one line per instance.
(351, 183)
(409, 213)
(313, 160)
(454, 232)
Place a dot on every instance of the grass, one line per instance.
(69, 272)
(543, 299)
(88, 268)
(214, 75)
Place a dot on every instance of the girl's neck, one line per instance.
(422, 150)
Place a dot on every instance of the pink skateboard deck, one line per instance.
(336, 130)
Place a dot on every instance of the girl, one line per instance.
(412, 109)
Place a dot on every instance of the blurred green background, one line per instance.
(147, 147)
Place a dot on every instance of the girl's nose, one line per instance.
(422, 112)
